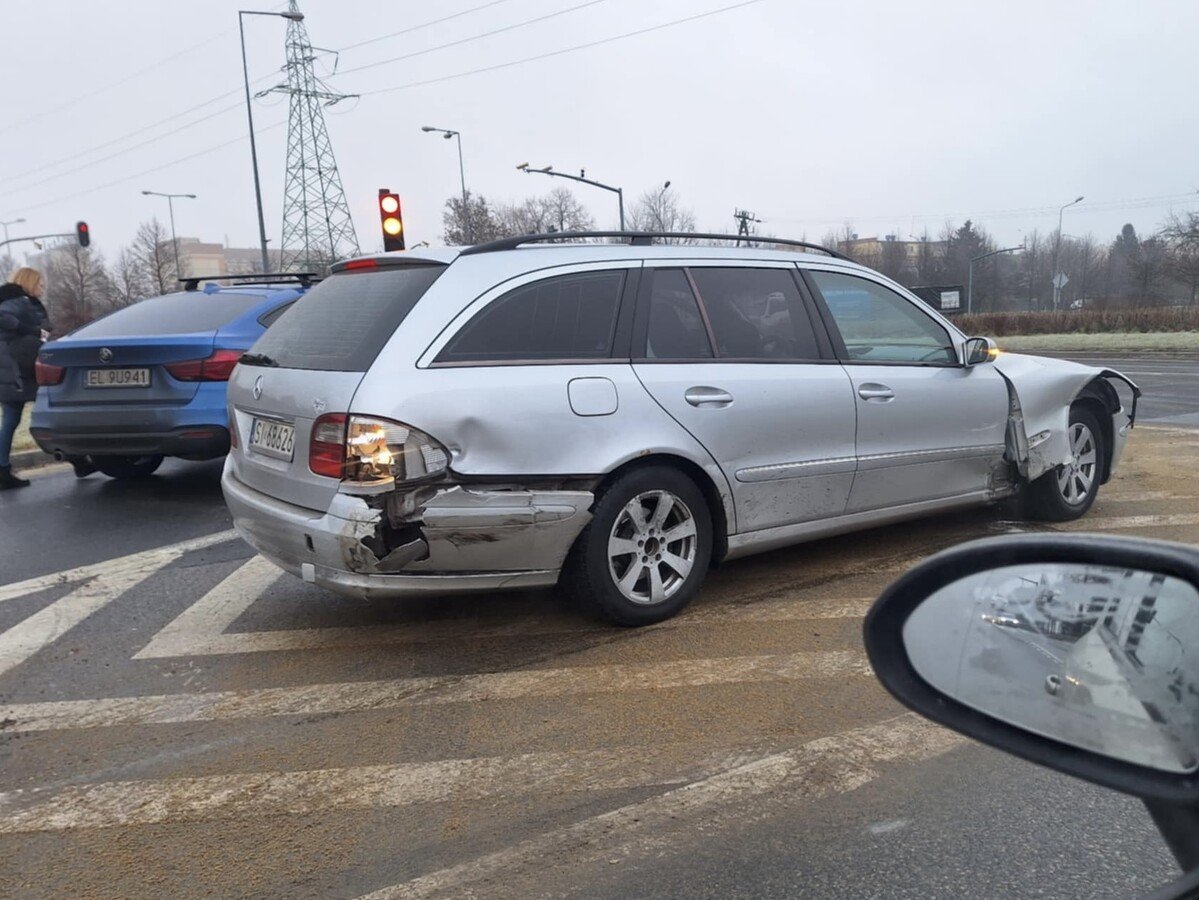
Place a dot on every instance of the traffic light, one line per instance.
(392, 220)
(82, 234)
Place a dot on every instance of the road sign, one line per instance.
(1060, 280)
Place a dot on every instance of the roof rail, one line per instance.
(305, 279)
(639, 238)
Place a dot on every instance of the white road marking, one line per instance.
(1145, 496)
(216, 610)
(431, 690)
(202, 629)
(145, 562)
(889, 826)
(242, 795)
(820, 768)
(1119, 523)
(104, 584)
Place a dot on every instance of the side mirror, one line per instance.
(1080, 653)
(980, 350)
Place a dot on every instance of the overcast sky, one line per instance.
(890, 116)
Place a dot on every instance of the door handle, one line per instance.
(708, 396)
(878, 392)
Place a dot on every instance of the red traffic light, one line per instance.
(391, 219)
(82, 234)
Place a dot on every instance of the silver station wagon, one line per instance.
(621, 416)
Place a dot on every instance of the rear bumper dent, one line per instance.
(454, 539)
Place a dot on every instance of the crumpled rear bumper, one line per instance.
(454, 539)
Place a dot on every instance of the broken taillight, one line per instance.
(373, 452)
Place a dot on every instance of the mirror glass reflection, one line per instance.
(1096, 657)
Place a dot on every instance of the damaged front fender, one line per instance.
(1040, 393)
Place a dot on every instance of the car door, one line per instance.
(928, 427)
(730, 351)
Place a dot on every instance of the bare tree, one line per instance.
(1181, 234)
(152, 249)
(77, 286)
(128, 278)
(473, 224)
(563, 212)
(660, 210)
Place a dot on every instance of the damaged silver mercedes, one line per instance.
(618, 417)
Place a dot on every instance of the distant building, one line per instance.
(199, 258)
(889, 246)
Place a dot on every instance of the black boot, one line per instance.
(9, 480)
(83, 466)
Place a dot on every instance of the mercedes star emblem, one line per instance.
(258, 387)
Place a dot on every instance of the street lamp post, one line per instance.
(970, 273)
(245, 71)
(549, 170)
(6, 224)
(447, 133)
(171, 209)
(1057, 246)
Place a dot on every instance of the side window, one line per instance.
(756, 313)
(676, 328)
(568, 317)
(878, 325)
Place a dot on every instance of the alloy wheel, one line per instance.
(1075, 478)
(652, 547)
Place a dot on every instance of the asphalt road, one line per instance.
(1170, 384)
(178, 718)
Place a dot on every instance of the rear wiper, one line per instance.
(258, 359)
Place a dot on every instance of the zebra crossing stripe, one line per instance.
(145, 562)
(355, 696)
(817, 769)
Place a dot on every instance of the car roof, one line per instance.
(536, 256)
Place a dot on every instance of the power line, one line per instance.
(121, 81)
(553, 53)
(413, 28)
(93, 162)
(548, 55)
(78, 152)
(472, 38)
(1103, 206)
(166, 165)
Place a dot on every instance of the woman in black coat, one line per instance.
(24, 325)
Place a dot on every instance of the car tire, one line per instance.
(1068, 491)
(126, 467)
(646, 550)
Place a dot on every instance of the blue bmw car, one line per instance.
(148, 381)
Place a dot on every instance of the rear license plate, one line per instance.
(271, 438)
(116, 378)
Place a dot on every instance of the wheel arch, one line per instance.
(1101, 399)
(719, 506)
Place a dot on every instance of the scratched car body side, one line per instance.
(530, 445)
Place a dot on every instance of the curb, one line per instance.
(30, 459)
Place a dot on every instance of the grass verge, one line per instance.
(1154, 342)
(22, 440)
